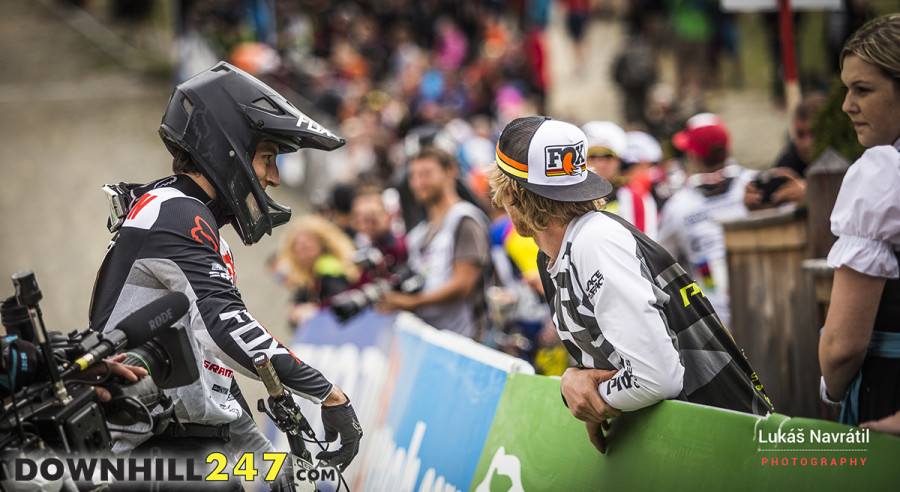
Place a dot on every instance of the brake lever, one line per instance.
(261, 406)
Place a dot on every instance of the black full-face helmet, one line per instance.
(219, 117)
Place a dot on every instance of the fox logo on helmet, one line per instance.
(314, 126)
(562, 160)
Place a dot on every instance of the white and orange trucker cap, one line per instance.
(549, 157)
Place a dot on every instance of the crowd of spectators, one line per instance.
(398, 77)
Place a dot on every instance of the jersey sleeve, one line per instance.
(471, 243)
(185, 233)
(866, 215)
(627, 309)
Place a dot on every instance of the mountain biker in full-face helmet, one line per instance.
(224, 129)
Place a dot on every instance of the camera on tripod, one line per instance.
(53, 404)
(349, 303)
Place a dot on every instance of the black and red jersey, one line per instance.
(170, 242)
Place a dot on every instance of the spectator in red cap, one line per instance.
(690, 225)
(705, 140)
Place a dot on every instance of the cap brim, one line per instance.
(592, 188)
(681, 141)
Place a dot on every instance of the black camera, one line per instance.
(768, 184)
(53, 404)
(349, 303)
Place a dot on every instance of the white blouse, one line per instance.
(866, 215)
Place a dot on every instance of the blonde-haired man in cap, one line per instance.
(637, 325)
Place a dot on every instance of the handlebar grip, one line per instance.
(268, 375)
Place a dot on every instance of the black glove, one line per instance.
(284, 482)
(340, 419)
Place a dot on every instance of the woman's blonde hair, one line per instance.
(332, 240)
(538, 211)
(877, 42)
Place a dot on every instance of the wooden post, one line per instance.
(772, 306)
(823, 181)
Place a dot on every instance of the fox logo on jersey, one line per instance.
(202, 232)
(252, 336)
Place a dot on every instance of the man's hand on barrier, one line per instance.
(340, 419)
(596, 432)
(580, 389)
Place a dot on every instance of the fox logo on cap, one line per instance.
(549, 158)
(564, 160)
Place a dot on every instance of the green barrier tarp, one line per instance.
(535, 445)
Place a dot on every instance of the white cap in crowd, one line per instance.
(642, 147)
(605, 138)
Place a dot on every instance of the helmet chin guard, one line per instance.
(219, 117)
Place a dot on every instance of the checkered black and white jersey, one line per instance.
(619, 301)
